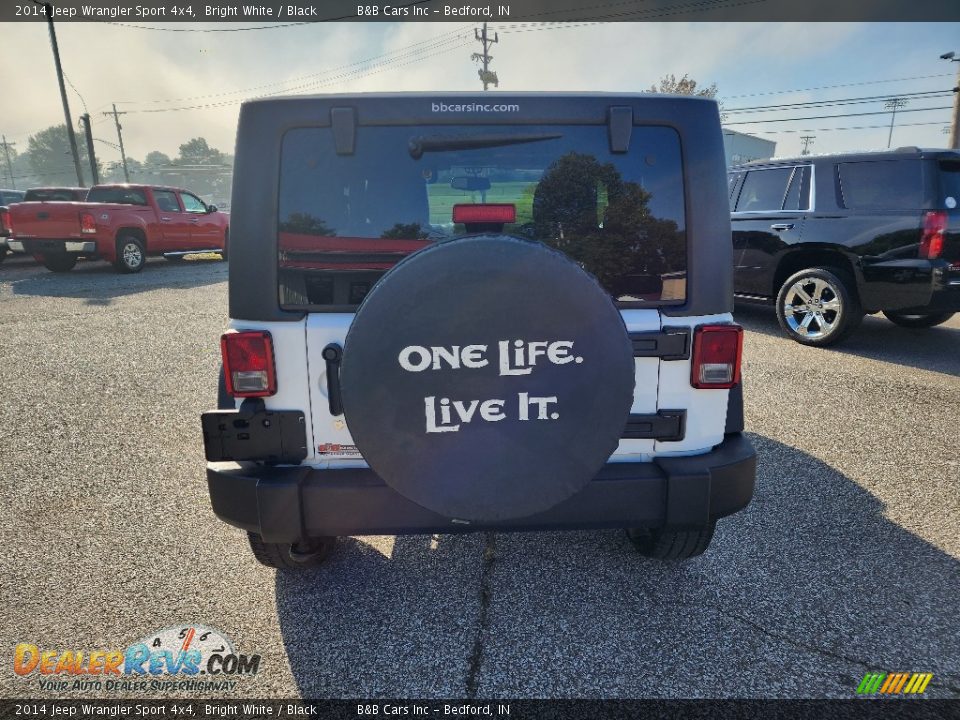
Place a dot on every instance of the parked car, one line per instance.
(7, 197)
(449, 316)
(122, 224)
(829, 238)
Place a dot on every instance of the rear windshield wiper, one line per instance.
(435, 143)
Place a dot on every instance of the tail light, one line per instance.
(248, 364)
(88, 223)
(485, 213)
(5, 225)
(717, 350)
(934, 228)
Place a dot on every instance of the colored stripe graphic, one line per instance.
(894, 683)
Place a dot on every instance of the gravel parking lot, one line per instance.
(847, 561)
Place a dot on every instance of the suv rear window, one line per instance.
(881, 185)
(345, 219)
(949, 182)
(121, 196)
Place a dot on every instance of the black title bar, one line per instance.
(502, 12)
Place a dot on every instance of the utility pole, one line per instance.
(954, 137)
(123, 155)
(893, 104)
(807, 141)
(71, 136)
(6, 152)
(487, 76)
(85, 119)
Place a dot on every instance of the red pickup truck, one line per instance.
(122, 224)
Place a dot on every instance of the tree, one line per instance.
(669, 84)
(198, 152)
(157, 158)
(51, 160)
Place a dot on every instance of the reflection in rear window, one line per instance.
(881, 185)
(346, 219)
(122, 196)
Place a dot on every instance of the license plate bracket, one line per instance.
(276, 436)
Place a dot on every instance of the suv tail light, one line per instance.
(248, 363)
(88, 223)
(5, 225)
(716, 356)
(934, 227)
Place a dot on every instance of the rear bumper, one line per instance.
(64, 247)
(945, 297)
(286, 503)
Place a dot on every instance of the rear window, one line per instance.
(121, 196)
(764, 190)
(881, 185)
(7, 197)
(949, 184)
(344, 220)
(51, 195)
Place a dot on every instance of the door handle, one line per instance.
(781, 226)
(331, 356)
(164, 219)
(194, 222)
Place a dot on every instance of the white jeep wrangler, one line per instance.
(449, 315)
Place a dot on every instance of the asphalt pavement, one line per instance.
(846, 562)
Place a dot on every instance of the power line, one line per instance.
(841, 101)
(355, 74)
(832, 87)
(824, 117)
(844, 127)
(399, 52)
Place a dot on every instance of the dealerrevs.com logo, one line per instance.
(180, 657)
(439, 107)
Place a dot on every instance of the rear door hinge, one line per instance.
(664, 425)
(671, 343)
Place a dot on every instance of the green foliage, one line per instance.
(306, 224)
(198, 152)
(669, 84)
(51, 160)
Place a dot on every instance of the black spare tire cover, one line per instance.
(487, 378)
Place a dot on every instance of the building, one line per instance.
(740, 148)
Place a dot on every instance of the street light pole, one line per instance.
(71, 136)
(954, 139)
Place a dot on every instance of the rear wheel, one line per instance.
(226, 242)
(131, 255)
(918, 320)
(819, 306)
(295, 556)
(671, 544)
(59, 263)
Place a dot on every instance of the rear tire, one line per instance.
(287, 556)
(59, 263)
(131, 255)
(226, 242)
(176, 259)
(819, 306)
(918, 320)
(671, 544)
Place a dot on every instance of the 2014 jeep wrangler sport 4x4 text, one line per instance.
(450, 315)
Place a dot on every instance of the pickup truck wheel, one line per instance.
(671, 544)
(226, 242)
(918, 320)
(59, 263)
(818, 306)
(131, 256)
(287, 556)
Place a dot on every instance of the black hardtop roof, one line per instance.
(477, 97)
(858, 156)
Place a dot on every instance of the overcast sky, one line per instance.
(152, 69)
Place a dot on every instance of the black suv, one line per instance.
(449, 314)
(830, 238)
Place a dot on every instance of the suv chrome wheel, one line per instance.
(132, 257)
(819, 306)
(813, 307)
